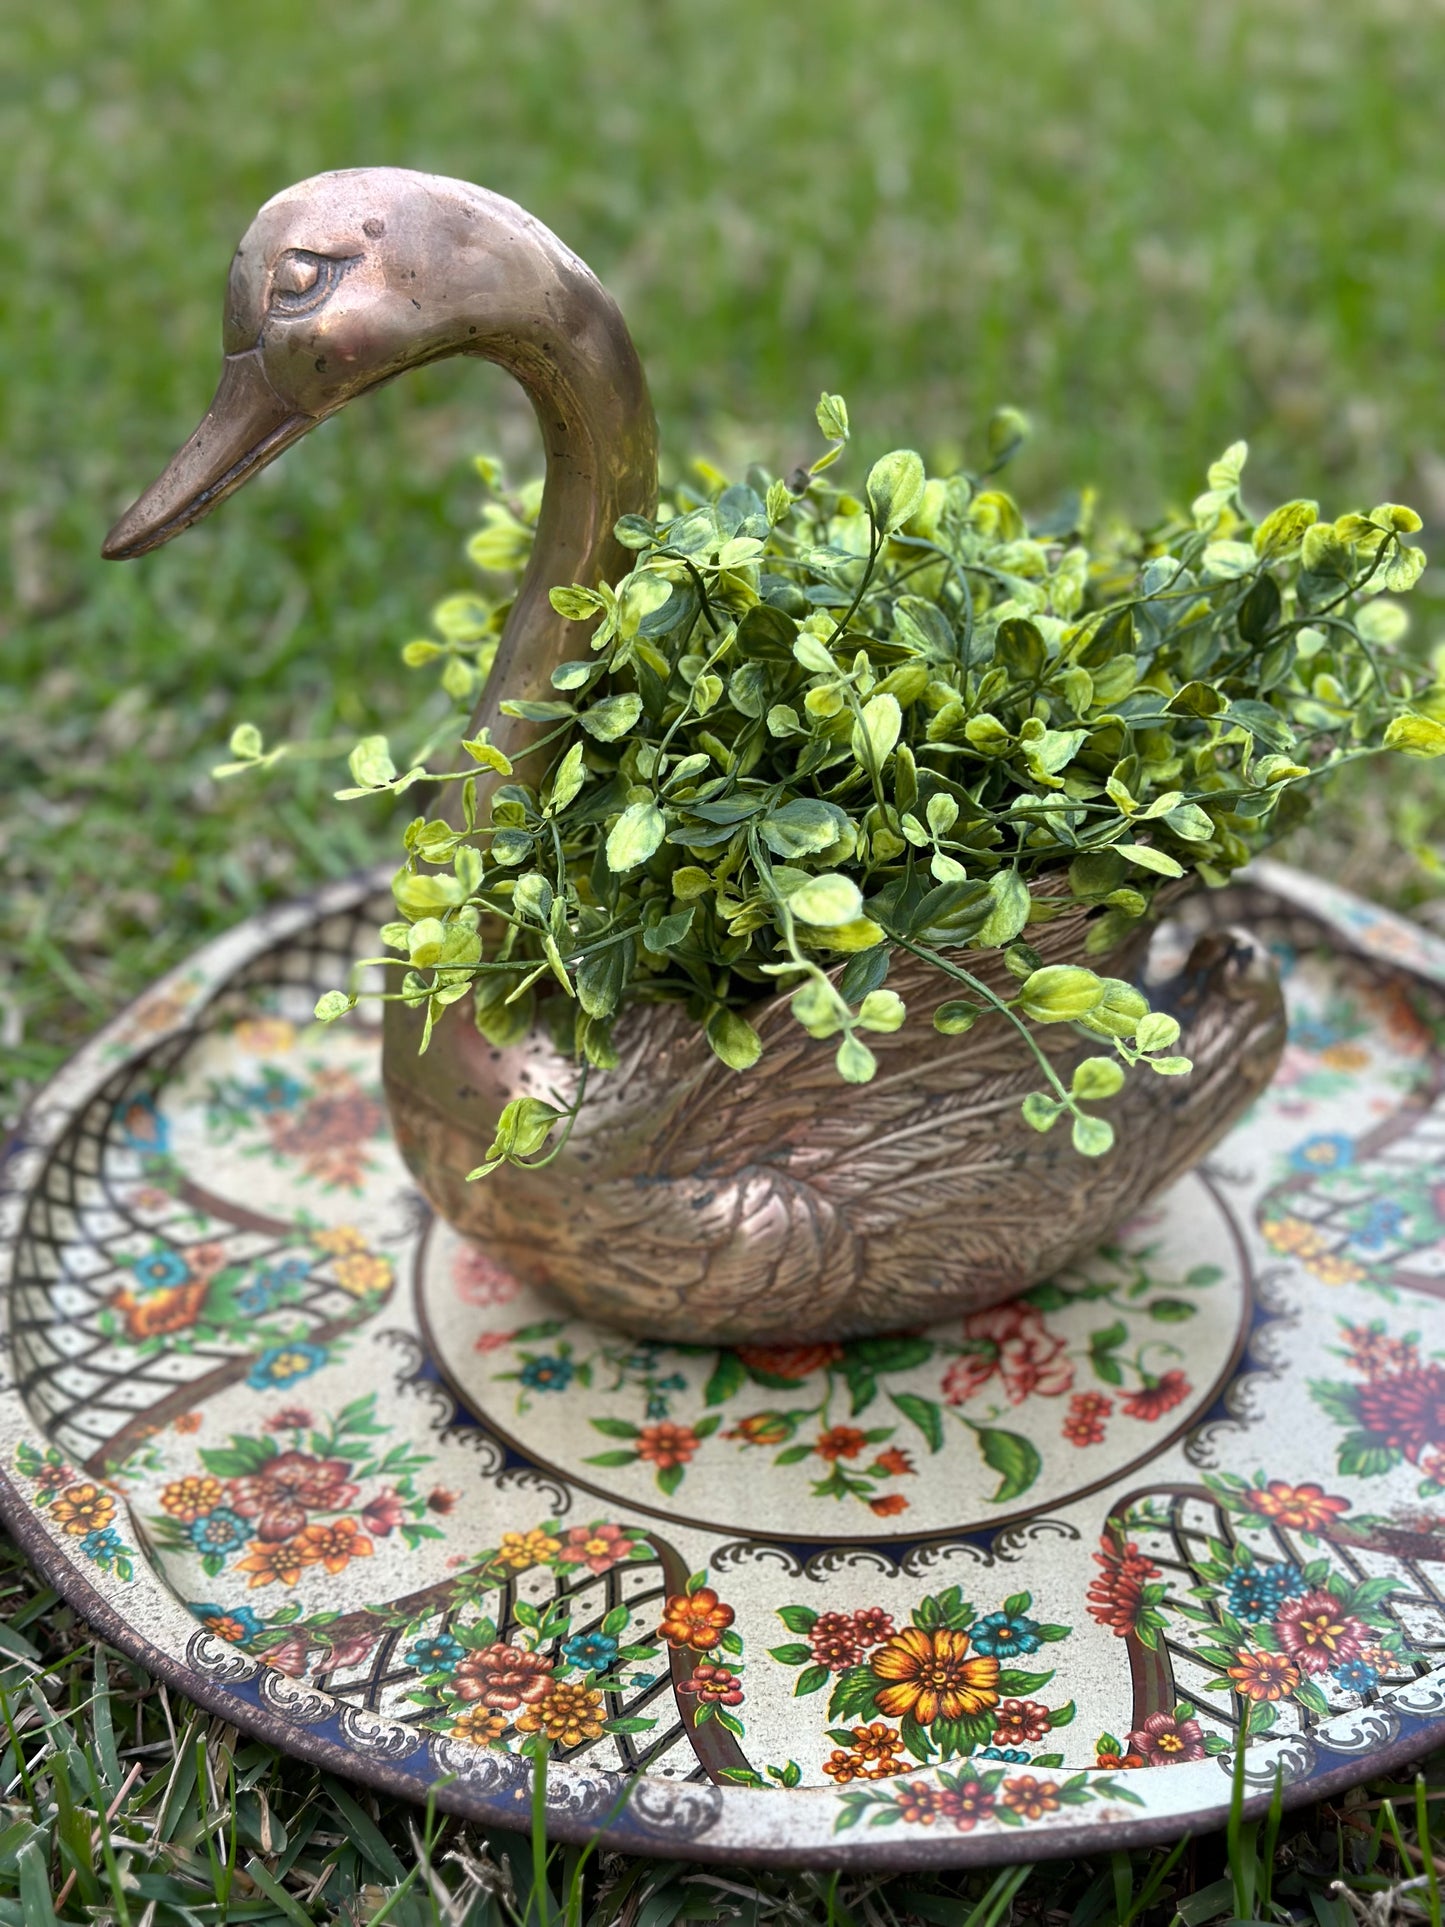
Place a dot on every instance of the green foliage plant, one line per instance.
(812, 728)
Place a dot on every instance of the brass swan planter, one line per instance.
(701, 1205)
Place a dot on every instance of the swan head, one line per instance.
(340, 283)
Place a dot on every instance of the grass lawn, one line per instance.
(1156, 226)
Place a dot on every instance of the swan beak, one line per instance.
(247, 425)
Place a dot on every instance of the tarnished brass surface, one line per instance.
(691, 1203)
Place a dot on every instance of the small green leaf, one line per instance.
(333, 1004)
(882, 1010)
(956, 1017)
(370, 763)
(734, 1040)
(612, 717)
(1013, 1457)
(1060, 993)
(827, 901)
(1093, 1136)
(856, 1063)
(1010, 910)
(635, 836)
(1415, 735)
(895, 488)
(1097, 1078)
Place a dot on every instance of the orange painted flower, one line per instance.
(187, 1422)
(1307, 1508)
(918, 1803)
(503, 1677)
(568, 1714)
(83, 1508)
(270, 1562)
(337, 1544)
(761, 1428)
(931, 1675)
(1263, 1676)
(155, 1313)
(522, 1550)
(895, 1461)
(191, 1498)
(889, 1505)
(874, 1755)
(666, 1444)
(1029, 1798)
(695, 1619)
(479, 1725)
(792, 1362)
(840, 1442)
(362, 1271)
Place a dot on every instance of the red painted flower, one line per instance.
(840, 1442)
(279, 1496)
(712, 1684)
(383, 1514)
(835, 1642)
(1013, 1341)
(889, 1505)
(1166, 1741)
(1153, 1401)
(441, 1499)
(503, 1677)
(1116, 1597)
(1406, 1412)
(1084, 1422)
(894, 1461)
(871, 1624)
(291, 1418)
(966, 1804)
(666, 1444)
(599, 1548)
(1020, 1722)
(792, 1362)
(1305, 1508)
(1373, 1352)
(1318, 1633)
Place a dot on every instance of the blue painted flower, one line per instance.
(1249, 1594)
(1009, 1753)
(144, 1127)
(1006, 1635)
(592, 1652)
(219, 1531)
(547, 1374)
(102, 1544)
(284, 1364)
(235, 1623)
(1329, 1151)
(276, 1092)
(160, 1269)
(267, 1288)
(439, 1654)
(1356, 1676)
(1283, 1581)
(1380, 1222)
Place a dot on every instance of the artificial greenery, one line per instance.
(812, 728)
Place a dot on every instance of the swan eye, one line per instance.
(301, 280)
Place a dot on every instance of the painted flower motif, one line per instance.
(888, 1505)
(1029, 1798)
(1380, 1222)
(479, 1280)
(503, 1677)
(1330, 1151)
(1296, 1237)
(695, 1619)
(1372, 1351)
(269, 1286)
(871, 1625)
(523, 1550)
(291, 1418)
(590, 1652)
(1105, 1756)
(219, 1531)
(144, 1127)
(384, 1513)
(1013, 1755)
(599, 1548)
(713, 1685)
(287, 1487)
(265, 1036)
(791, 1362)
(1021, 1722)
(336, 1543)
(666, 1444)
(205, 1260)
(874, 1755)
(932, 1675)
(1357, 1676)
(360, 1272)
(840, 1442)
(83, 1508)
(1304, 1508)
(568, 1714)
(1406, 1412)
(187, 1422)
(1164, 1740)
(102, 1546)
(761, 1428)
(284, 1364)
(1317, 1632)
(191, 1498)
(160, 1269)
(547, 1374)
(155, 1314)
(1116, 1597)
(1331, 1268)
(441, 1499)
(966, 1804)
(1013, 1341)
(347, 1652)
(834, 1642)
(1084, 1421)
(1153, 1401)
(1006, 1635)
(438, 1654)
(1259, 1675)
(918, 1803)
(327, 1133)
(478, 1726)
(271, 1564)
(292, 1656)
(234, 1624)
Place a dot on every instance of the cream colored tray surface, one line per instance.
(1001, 1588)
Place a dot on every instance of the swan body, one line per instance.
(690, 1203)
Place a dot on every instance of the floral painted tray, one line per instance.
(1001, 1588)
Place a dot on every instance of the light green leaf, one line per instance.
(1060, 993)
(895, 488)
(1010, 910)
(803, 827)
(826, 901)
(571, 774)
(612, 717)
(1415, 735)
(956, 1017)
(877, 732)
(370, 763)
(832, 414)
(1092, 1136)
(734, 1040)
(856, 1063)
(882, 1010)
(1148, 858)
(635, 836)
(333, 1004)
(1097, 1078)
(1157, 1031)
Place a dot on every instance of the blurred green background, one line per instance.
(1155, 224)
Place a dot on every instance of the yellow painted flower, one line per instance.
(569, 1713)
(340, 1238)
(479, 1725)
(191, 1498)
(519, 1550)
(1296, 1235)
(1331, 1269)
(82, 1508)
(362, 1271)
(266, 1036)
(932, 1675)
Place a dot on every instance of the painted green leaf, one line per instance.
(1013, 1457)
